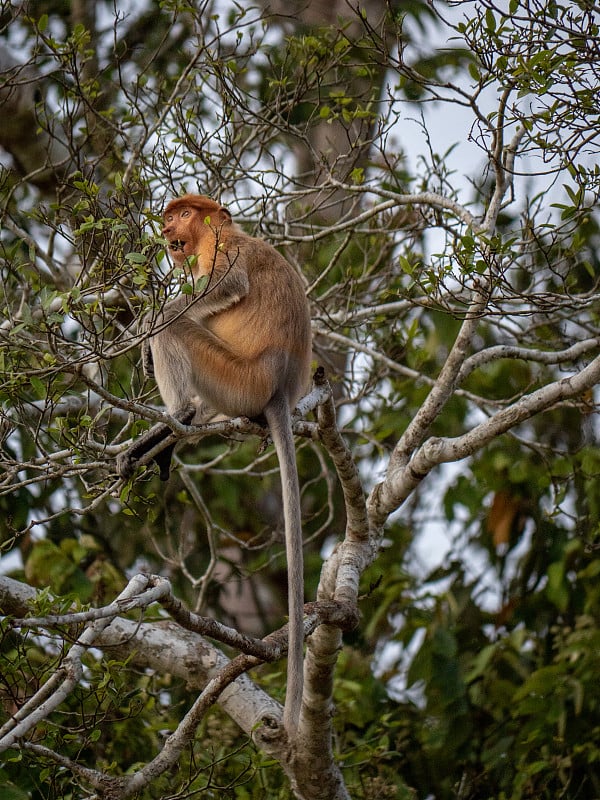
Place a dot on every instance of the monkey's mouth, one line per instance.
(177, 244)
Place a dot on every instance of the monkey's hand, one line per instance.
(147, 360)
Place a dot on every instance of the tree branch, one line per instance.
(400, 482)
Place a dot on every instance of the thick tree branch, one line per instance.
(400, 482)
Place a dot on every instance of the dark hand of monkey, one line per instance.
(127, 461)
(147, 360)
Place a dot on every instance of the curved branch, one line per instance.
(442, 389)
(388, 495)
(549, 357)
(357, 524)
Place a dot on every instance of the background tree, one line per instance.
(454, 502)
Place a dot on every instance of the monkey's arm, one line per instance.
(225, 288)
(147, 360)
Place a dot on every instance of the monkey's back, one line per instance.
(273, 321)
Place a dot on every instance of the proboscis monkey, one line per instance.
(240, 346)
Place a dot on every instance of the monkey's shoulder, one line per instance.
(257, 253)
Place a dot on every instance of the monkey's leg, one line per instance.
(126, 462)
(147, 361)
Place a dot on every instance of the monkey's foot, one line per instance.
(127, 461)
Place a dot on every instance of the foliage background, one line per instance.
(473, 673)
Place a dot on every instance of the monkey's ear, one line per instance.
(226, 216)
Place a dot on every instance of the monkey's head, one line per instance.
(193, 224)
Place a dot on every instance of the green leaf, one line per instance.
(38, 387)
(405, 265)
(136, 258)
(481, 663)
(474, 71)
(557, 590)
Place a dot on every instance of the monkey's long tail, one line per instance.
(280, 424)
